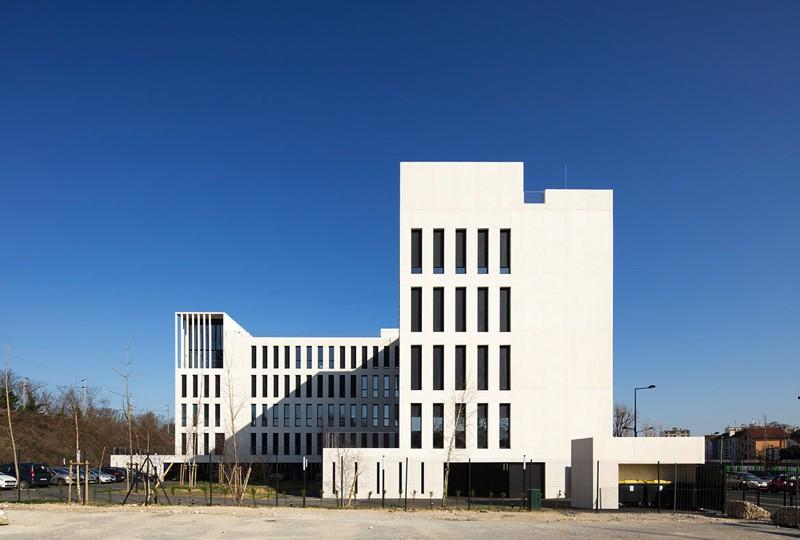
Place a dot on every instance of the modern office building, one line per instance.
(500, 371)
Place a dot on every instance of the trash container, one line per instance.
(534, 499)
(652, 489)
(631, 493)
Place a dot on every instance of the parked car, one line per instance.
(745, 480)
(7, 482)
(30, 474)
(60, 476)
(105, 478)
(783, 482)
(767, 476)
(118, 473)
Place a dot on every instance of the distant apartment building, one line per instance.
(747, 443)
(675, 432)
(501, 368)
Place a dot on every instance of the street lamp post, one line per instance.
(635, 426)
(524, 481)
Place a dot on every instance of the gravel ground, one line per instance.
(61, 521)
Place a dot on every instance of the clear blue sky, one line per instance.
(162, 156)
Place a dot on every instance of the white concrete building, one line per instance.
(503, 356)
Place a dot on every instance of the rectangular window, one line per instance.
(375, 358)
(331, 359)
(396, 415)
(298, 415)
(375, 388)
(253, 386)
(275, 354)
(309, 415)
(505, 309)
(275, 386)
(264, 385)
(263, 444)
(309, 449)
(319, 382)
(416, 367)
(298, 390)
(461, 425)
(505, 251)
(353, 359)
(309, 386)
(286, 356)
(264, 415)
(253, 357)
(438, 367)
(331, 389)
(264, 365)
(483, 367)
(397, 386)
(483, 423)
(422, 477)
(416, 309)
(342, 413)
(183, 443)
(342, 389)
(364, 355)
(276, 421)
(183, 386)
(320, 416)
(438, 251)
(353, 415)
(364, 414)
(217, 415)
(416, 251)
(194, 385)
(287, 386)
(320, 360)
(505, 425)
(217, 386)
(397, 357)
(252, 444)
(253, 415)
(364, 386)
(285, 444)
(416, 425)
(483, 251)
(331, 415)
(438, 309)
(376, 415)
(342, 358)
(183, 414)
(461, 251)
(438, 425)
(505, 367)
(386, 387)
(483, 309)
(297, 444)
(387, 415)
(287, 412)
(461, 367)
(386, 356)
(353, 389)
(309, 357)
(275, 444)
(461, 309)
(298, 357)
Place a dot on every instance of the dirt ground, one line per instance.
(61, 521)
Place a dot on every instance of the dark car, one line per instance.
(30, 474)
(783, 482)
(118, 473)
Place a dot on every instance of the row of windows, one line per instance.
(386, 356)
(460, 367)
(460, 242)
(337, 385)
(347, 415)
(460, 309)
(313, 445)
(206, 386)
(440, 436)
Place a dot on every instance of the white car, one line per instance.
(105, 478)
(7, 482)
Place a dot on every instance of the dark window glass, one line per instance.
(264, 364)
(353, 355)
(505, 367)
(286, 355)
(264, 385)
(275, 359)
(287, 386)
(297, 444)
(275, 386)
(352, 386)
(342, 358)
(483, 309)
(416, 425)
(331, 392)
(217, 386)
(396, 357)
(375, 358)
(285, 444)
(416, 251)
(461, 367)
(461, 251)
(461, 425)
(416, 367)
(206, 385)
(297, 386)
(319, 382)
(483, 367)
(505, 309)
(438, 425)
(309, 386)
(194, 385)
(386, 356)
(483, 251)
(505, 251)
(438, 367)
(217, 415)
(483, 424)
(341, 386)
(505, 425)
(438, 309)
(416, 309)
(183, 385)
(461, 309)
(253, 386)
(253, 357)
(252, 444)
(264, 415)
(438, 251)
(422, 477)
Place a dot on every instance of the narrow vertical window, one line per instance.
(375, 357)
(287, 386)
(460, 425)
(364, 416)
(309, 386)
(309, 357)
(342, 357)
(183, 385)
(320, 383)
(253, 386)
(505, 309)
(364, 386)
(353, 387)
(416, 425)
(264, 350)
(342, 389)
(505, 251)
(416, 309)
(438, 309)
(253, 415)
(461, 251)
(416, 251)
(352, 415)
(461, 367)
(331, 359)
(375, 388)
(438, 367)
(483, 367)
(483, 251)
(375, 415)
(320, 416)
(386, 387)
(438, 425)
(264, 415)
(505, 425)
(194, 385)
(309, 415)
(217, 386)
(252, 444)
(320, 360)
(263, 444)
(183, 414)
(298, 390)
(297, 444)
(275, 354)
(386, 356)
(505, 367)
(461, 309)
(217, 415)
(353, 359)
(483, 425)
(422, 477)
(331, 392)
(264, 385)
(438, 251)
(364, 356)
(275, 386)
(286, 356)
(276, 413)
(483, 309)
(386, 415)
(253, 360)
(416, 367)
(287, 411)
(397, 357)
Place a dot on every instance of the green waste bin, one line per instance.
(534, 499)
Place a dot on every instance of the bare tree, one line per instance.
(456, 436)
(623, 421)
(127, 409)
(235, 477)
(347, 459)
(10, 426)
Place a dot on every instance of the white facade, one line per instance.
(553, 291)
